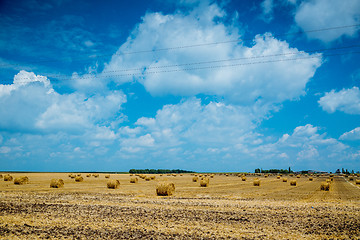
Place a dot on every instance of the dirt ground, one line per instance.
(228, 209)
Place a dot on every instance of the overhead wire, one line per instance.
(89, 76)
(92, 57)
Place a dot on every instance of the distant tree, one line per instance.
(290, 170)
(347, 172)
(342, 171)
(352, 171)
(257, 170)
(337, 171)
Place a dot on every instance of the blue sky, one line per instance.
(196, 85)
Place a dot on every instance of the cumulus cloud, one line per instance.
(281, 78)
(320, 14)
(346, 100)
(31, 104)
(351, 135)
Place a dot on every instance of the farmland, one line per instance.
(228, 208)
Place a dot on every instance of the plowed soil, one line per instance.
(228, 209)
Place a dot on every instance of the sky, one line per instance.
(214, 86)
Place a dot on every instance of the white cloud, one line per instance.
(267, 82)
(321, 14)
(351, 135)
(346, 100)
(32, 105)
(267, 10)
(5, 149)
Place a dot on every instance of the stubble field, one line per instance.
(228, 208)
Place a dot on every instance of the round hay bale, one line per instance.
(147, 178)
(165, 188)
(284, 179)
(357, 182)
(73, 176)
(293, 183)
(212, 176)
(204, 182)
(226, 174)
(8, 177)
(21, 180)
(195, 179)
(291, 175)
(256, 182)
(88, 175)
(325, 186)
(161, 175)
(298, 176)
(79, 174)
(328, 180)
(265, 176)
(243, 178)
(131, 175)
(311, 178)
(56, 183)
(107, 176)
(152, 177)
(280, 174)
(278, 177)
(79, 179)
(133, 180)
(113, 184)
(1, 176)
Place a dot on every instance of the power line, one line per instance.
(198, 68)
(184, 46)
(218, 61)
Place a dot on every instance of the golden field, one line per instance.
(228, 208)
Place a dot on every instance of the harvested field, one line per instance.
(228, 208)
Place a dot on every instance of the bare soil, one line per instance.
(228, 209)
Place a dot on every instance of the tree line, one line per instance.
(158, 171)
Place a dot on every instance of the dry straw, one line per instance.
(8, 177)
(133, 180)
(195, 179)
(79, 179)
(21, 180)
(325, 186)
(204, 182)
(113, 184)
(165, 188)
(56, 183)
(257, 182)
(284, 179)
(293, 183)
